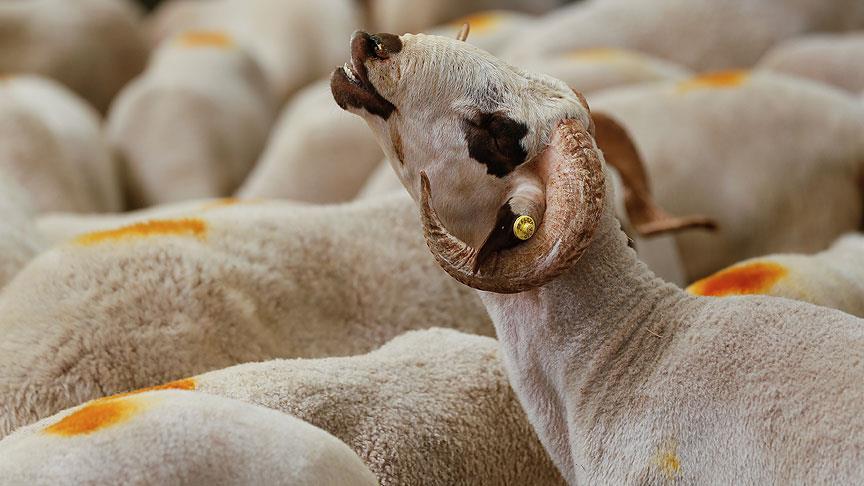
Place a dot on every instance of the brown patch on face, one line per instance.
(494, 140)
(716, 80)
(749, 278)
(94, 416)
(206, 39)
(168, 227)
(396, 139)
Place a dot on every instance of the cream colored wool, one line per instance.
(295, 42)
(775, 160)
(400, 16)
(194, 123)
(832, 59)
(625, 378)
(700, 34)
(429, 407)
(20, 241)
(227, 284)
(832, 278)
(316, 153)
(592, 70)
(177, 437)
(53, 147)
(92, 46)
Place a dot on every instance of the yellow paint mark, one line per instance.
(481, 23)
(205, 39)
(184, 384)
(96, 415)
(749, 278)
(598, 54)
(717, 80)
(667, 460)
(165, 227)
(221, 203)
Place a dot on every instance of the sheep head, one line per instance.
(494, 142)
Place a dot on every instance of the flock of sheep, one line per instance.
(223, 262)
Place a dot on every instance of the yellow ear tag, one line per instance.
(524, 227)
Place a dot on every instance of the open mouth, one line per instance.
(350, 83)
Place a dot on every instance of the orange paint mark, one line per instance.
(749, 278)
(597, 54)
(184, 384)
(719, 79)
(96, 415)
(165, 227)
(480, 23)
(206, 39)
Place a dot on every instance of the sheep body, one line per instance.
(832, 59)
(831, 278)
(177, 437)
(20, 241)
(194, 123)
(225, 285)
(697, 140)
(92, 46)
(54, 147)
(316, 153)
(700, 34)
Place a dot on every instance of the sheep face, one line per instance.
(480, 130)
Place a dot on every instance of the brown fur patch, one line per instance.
(167, 227)
(205, 39)
(715, 80)
(749, 278)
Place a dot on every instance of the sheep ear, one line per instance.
(645, 215)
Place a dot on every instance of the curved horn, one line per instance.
(573, 175)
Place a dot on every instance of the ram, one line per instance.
(830, 58)
(92, 46)
(177, 437)
(700, 34)
(173, 295)
(53, 147)
(832, 278)
(294, 42)
(193, 125)
(626, 378)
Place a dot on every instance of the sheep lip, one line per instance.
(351, 89)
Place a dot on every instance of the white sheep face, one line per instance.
(471, 121)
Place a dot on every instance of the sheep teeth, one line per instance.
(350, 73)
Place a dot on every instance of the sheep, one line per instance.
(316, 153)
(92, 46)
(20, 241)
(593, 70)
(700, 146)
(428, 407)
(625, 378)
(832, 278)
(54, 148)
(830, 58)
(700, 34)
(177, 437)
(169, 296)
(294, 42)
(194, 123)
(418, 15)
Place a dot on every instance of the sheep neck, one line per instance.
(566, 344)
